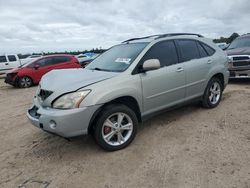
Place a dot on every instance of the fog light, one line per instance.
(52, 124)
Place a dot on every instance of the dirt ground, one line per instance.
(187, 147)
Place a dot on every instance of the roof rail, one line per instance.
(162, 36)
(178, 34)
(139, 38)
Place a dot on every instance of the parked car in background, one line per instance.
(30, 58)
(239, 54)
(222, 45)
(86, 58)
(8, 62)
(128, 83)
(31, 73)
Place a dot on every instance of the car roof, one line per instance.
(56, 55)
(163, 36)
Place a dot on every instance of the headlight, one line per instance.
(70, 100)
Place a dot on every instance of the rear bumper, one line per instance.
(239, 73)
(65, 123)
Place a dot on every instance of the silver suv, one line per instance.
(128, 83)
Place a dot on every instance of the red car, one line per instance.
(31, 73)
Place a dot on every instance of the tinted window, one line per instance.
(164, 51)
(11, 58)
(202, 51)
(188, 49)
(208, 49)
(44, 62)
(61, 59)
(3, 59)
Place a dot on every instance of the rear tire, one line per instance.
(213, 93)
(25, 82)
(116, 127)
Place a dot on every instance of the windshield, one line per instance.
(117, 58)
(26, 64)
(240, 43)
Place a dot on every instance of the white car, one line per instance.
(8, 62)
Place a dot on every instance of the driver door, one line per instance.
(44, 66)
(163, 87)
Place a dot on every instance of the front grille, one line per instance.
(241, 63)
(232, 74)
(241, 58)
(44, 94)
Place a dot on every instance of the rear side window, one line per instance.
(202, 51)
(164, 51)
(11, 58)
(188, 49)
(208, 49)
(3, 59)
(60, 59)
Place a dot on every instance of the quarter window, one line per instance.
(188, 49)
(209, 50)
(165, 52)
(11, 58)
(202, 51)
(3, 59)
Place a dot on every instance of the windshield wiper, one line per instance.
(99, 69)
(96, 68)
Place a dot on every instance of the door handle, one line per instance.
(209, 61)
(6, 63)
(180, 69)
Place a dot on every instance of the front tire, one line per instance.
(213, 93)
(116, 127)
(25, 82)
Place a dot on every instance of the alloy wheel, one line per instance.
(215, 93)
(117, 129)
(25, 82)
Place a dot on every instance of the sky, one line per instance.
(29, 26)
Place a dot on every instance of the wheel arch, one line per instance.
(220, 76)
(18, 78)
(128, 101)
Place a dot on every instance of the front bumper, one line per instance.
(65, 123)
(10, 80)
(239, 73)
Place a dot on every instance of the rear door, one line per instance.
(13, 61)
(166, 86)
(62, 62)
(197, 64)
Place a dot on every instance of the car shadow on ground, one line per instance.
(240, 81)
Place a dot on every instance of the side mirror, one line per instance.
(151, 64)
(36, 66)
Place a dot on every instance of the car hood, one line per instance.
(68, 80)
(239, 51)
(14, 70)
